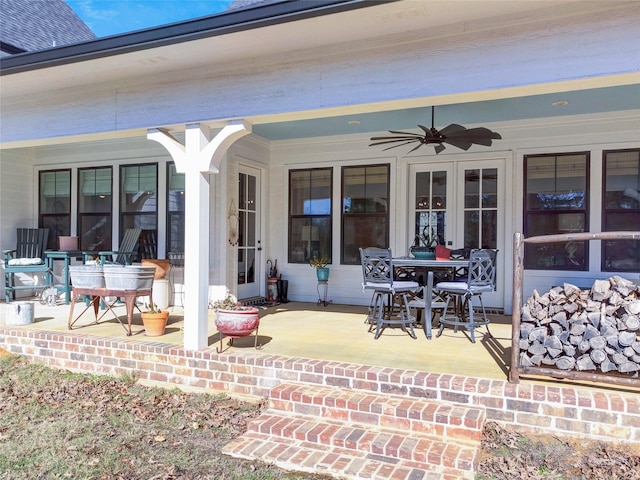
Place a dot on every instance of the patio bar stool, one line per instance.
(459, 296)
(390, 300)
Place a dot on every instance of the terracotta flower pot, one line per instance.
(155, 323)
(237, 323)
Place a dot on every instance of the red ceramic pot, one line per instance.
(237, 323)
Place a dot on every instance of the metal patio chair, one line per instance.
(29, 258)
(390, 299)
(459, 296)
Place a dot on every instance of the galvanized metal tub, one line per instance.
(128, 277)
(87, 276)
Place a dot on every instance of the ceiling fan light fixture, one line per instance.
(453, 134)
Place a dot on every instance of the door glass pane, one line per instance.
(490, 188)
(251, 193)
(471, 188)
(481, 208)
(439, 190)
(489, 222)
(249, 267)
(251, 228)
(423, 190)
(471, 229)
(430, 206)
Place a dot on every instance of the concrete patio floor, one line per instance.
(331, 332)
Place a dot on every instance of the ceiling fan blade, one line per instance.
(481, 136)
(405, 133)
(439, 147)
(459, 142)
(452, 129)
(396, 137)
(395, 140)
(416, 147)
(401, 145)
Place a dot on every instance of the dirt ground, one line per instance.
(56, 424)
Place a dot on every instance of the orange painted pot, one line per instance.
(154, 323)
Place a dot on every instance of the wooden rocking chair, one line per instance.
(28, 257)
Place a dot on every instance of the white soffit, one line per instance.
(434, 18)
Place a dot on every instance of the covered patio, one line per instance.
(297, 329)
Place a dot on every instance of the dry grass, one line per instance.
(57, 425)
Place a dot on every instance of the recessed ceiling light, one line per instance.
(353, 122)
(559, 103)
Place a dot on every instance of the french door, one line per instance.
(462, 204)
(249, 247)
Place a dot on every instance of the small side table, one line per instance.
(52, 256)
(323, 290)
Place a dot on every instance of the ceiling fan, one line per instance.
(454, 134)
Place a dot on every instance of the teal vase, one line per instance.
(323, 274)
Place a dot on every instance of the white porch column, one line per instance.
(196, 159)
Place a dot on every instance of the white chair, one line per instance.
(378, 275)
(459, 295)
(429, 303)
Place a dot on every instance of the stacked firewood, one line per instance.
(596, 329)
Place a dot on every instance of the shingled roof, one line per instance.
(31, 25)
(240, 4)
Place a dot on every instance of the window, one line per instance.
(365, 210)
(55, 204)
(175, 210)
(138, 197)
(621, 210)
(310, 233)
(556, 201)
(94, 208)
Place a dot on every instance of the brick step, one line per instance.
(356, 435)
(420, 415)
(390, 456)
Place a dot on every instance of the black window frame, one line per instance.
(137, 216)
(629, 211)
(60, 227)
(346, 216)
(79, 213)
(556, 256)
(172, 215)
(312, 221)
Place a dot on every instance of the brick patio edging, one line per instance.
(604, 414)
